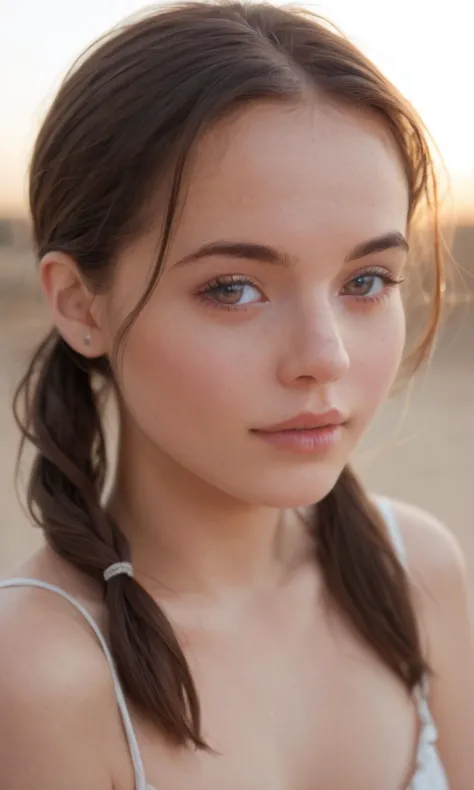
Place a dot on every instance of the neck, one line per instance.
(188, 537)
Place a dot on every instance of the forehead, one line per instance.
(285, 173)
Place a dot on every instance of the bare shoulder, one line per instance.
(438, 575)
(59, 725)
(434, 555)
(437, 570)
(38, 622)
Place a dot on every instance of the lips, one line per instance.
(310, 434)
(308, 421)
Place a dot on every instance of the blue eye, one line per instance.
(232, 292)
(369, 285)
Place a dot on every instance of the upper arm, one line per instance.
(438, 573)
(58, 727)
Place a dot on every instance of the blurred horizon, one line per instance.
(424, 50)
(420, 448)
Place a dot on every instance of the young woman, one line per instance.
(222, 197)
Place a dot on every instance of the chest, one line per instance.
(308, 710)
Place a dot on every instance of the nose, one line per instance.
(314, 349)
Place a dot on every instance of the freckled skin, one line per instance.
(312, 181)
(223, 347)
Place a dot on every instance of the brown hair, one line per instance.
(125, 120)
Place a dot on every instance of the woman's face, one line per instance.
(276, 300)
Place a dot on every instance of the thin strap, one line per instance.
(393, 529)
(139, 773)
(429, 731)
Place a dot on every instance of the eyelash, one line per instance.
(219, 282)
(388, 280)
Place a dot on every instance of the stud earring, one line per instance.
(87, 338)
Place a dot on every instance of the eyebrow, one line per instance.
(237, 249)
(388, 241)
(267, 254)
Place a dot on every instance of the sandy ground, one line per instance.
(421, 448)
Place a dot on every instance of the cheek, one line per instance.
(192, 381)
(177, 373)
(377, 356)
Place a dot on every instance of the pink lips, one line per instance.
(306, 433)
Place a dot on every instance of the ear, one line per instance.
(72, 305)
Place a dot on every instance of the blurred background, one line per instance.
(422, 447)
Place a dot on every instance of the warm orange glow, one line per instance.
(424, 48)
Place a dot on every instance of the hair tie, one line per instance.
(118, 568)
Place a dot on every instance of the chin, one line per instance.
(296, 489)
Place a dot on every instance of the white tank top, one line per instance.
(429, 773)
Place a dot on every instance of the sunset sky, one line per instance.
(426, 49)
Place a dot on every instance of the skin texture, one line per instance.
(286, 689)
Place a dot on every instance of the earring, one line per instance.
(87, 338)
